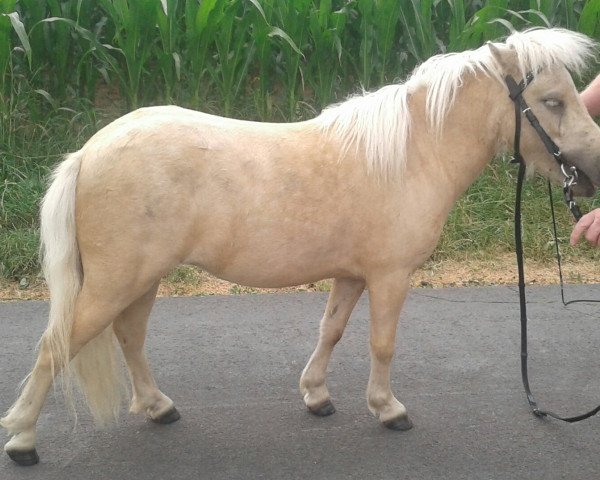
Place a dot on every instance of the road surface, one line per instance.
(232, 364)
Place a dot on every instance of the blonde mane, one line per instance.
(379, 122)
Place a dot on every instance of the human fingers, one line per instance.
(582, 225)
(592, 235)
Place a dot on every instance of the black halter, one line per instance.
(570, 174)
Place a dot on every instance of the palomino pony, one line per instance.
(358, 194)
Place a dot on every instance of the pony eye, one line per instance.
(553, 103)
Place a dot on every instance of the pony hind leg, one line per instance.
(21, 418)
(342, 299)
(130, 329)
(90, 321)
(386, 297)
(96, 307)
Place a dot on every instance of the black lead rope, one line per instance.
(570, 179)
(523, 307)
(557, 252)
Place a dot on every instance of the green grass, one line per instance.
(25, 163)
(18, 251)
(481, 225)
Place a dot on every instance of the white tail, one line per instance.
(95, 365)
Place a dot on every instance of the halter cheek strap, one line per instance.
(516, 95)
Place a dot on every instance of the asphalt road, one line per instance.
(232, 364)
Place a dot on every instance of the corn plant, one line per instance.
(457, 23)
(326, 27)
(589, 21)
(8, 19)
(33, 12)
(88, 66)
(367, 10)
(261, 76)
(487, 23)
(169, 58)
(387, 41)
(9, 22)
(92, 50)
(234, 50)
(416, 18)
(292, 17)
(134, 23)
(556, 12)
(58, 56)
(200, 29)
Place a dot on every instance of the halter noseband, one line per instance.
(570, 179)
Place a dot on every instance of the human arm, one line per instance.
(591, 97)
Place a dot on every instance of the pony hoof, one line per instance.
(169, 416)
(322, 410)
(25, 458)
(400, 424)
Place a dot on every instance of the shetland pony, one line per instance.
(358, 194)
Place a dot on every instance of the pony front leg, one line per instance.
(386, 297)
(342, 299)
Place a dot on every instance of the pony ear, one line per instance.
(505, 56)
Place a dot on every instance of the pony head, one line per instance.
(549, 56)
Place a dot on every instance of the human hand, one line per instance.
(590, 225)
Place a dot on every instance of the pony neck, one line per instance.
(475, 130)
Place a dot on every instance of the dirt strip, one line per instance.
(501, 271)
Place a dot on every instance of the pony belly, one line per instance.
(278, 270)
(277, 279)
